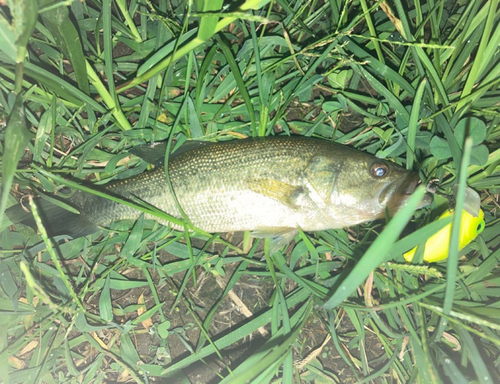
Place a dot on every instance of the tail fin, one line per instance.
(56, 220)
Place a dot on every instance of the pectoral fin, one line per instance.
(270, 232)
(289, 195)
(281, 236)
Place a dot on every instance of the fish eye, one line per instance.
(379, 170)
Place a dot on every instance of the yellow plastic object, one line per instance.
(438, 245)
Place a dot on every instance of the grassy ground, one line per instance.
(408, 81)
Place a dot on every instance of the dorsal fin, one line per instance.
(155, 153)
(151, 153)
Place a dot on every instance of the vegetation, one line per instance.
(82, 82)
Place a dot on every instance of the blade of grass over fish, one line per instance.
(58, 22)
(451, 267)
(413, 124)
(17, 136)
(375, 255)
(168, 151)
(239, 81)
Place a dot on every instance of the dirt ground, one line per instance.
(248, 298)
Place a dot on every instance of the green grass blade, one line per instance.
(239, 81)
(58, 22)
(254, 367)
(120, 117)
(17, 136)
(208, 22)
(483, 375)
(55, 259)
(451, 267)
(484, 52)
(108, 50)
(413, 124)
(105, 306)
(24, 14)
(377, 252)
(226, 340)
(122, 5)
(7, 40)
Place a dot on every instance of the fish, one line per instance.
(270, 186)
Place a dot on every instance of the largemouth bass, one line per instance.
(268, 185)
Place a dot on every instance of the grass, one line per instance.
(417, 84)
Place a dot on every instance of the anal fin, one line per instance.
(280, 236)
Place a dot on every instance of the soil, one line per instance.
(255, 293)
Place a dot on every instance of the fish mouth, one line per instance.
(411, 185)
(408, 185)
(395, 195)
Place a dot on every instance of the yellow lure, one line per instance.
(438, 245)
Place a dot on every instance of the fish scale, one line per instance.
(270, 185)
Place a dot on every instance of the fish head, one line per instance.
(365, 187)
